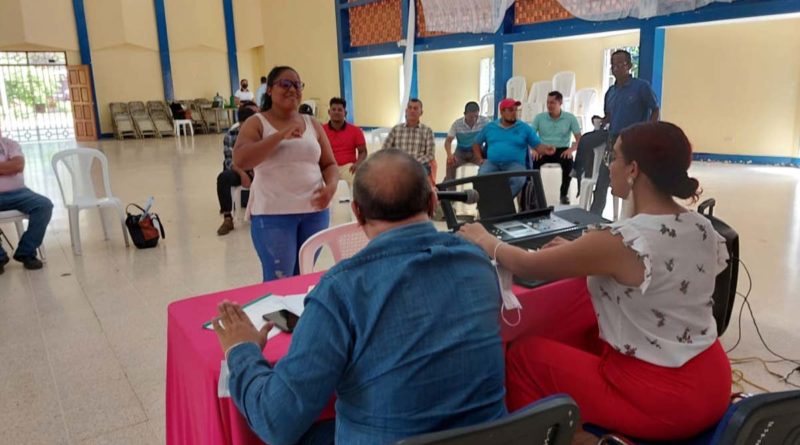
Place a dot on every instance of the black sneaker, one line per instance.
(29, 262)
(3, 263)
(565, 200)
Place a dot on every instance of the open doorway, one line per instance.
(34, 96)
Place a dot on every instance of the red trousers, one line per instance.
(563, 354)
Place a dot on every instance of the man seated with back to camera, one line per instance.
(404, 351)
(231, 175)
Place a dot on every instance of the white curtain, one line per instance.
(476, 16)
(598, 10)
(408, 59)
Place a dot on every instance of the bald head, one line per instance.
(391, 186)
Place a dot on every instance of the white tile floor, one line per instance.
(83, 340)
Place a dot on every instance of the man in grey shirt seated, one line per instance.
(463, 131)
(404, 350)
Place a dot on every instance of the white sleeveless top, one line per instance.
(668, 319)
(285, 181)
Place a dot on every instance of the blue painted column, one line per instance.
(86, 52)
(503, 70)
(347, 87)
(163, 50)
(651, 56)
(230, 36)
(414, 90)
(503, 59)
(342, 43)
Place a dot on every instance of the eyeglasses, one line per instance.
(609, 157)
(286, 84)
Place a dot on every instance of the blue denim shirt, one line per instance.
(405, 333)
(629, 104)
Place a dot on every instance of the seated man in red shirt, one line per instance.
(347, 140)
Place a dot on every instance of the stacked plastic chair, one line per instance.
(537, 100)
(160, 115)
(122, 121)
(141, 118)
(487, 105)
(583, 106)
(564, 83)
(198, 120)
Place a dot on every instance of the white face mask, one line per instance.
(510, 301)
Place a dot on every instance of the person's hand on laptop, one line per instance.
(234, 327)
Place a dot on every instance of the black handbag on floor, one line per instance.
(142, 227)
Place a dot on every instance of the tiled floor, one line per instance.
(83, 340)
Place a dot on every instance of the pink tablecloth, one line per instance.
(195, 415)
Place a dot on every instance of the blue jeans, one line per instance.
(39, 210)
(277, 239)
(493, 167)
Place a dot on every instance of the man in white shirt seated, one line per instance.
(15, 196)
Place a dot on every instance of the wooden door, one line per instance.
(80, 92)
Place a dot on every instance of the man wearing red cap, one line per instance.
(507, 141)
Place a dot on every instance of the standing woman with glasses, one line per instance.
(295, 174)
(638, 349)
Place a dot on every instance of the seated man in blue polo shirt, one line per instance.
(405, 351)
(463, 131)
(507, 141)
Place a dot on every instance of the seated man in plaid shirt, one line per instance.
(233, 176)
(414, 137)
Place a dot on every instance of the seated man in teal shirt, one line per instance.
(507, 141)
(556, 127)
(404, 351)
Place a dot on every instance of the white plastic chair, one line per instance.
(537, 99)
(583, 105)
(185, 125)
(564, 83)
(239, 213)
(344, 241)
(487, 105)
(343, 197)
(73, 169)
(517, 88)
(379, 135)
(16, 217)
(313, 104)
(463, 171)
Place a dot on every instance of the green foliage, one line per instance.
(27, 91)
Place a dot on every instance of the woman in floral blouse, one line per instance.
(639, 351)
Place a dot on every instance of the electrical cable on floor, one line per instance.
(738, 375)
(738, 379)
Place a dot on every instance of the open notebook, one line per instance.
(255, 311)
(270, 303)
